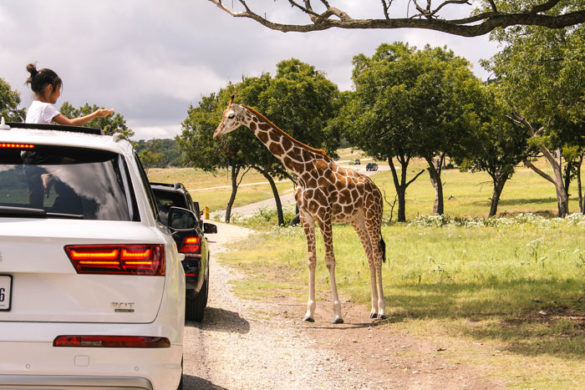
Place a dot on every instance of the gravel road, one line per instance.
(245, 344)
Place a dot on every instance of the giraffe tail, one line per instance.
(383, 248)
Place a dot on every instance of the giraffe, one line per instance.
(325, 193)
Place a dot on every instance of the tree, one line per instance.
(9, 101)
(159, 153)
(298, 98)
(446, 103)
(480, 18)
(409, 103)
(498, 145)
(110, 125)
(542, 75)
(196, 141)
(377, 117)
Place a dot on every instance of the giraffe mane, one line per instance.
(299, 143)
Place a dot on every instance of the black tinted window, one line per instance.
(76, 182)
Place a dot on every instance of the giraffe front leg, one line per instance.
(327, 232)
(309, 228)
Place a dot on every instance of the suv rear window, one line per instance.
(65, 182)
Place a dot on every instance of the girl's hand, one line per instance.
(103, 112)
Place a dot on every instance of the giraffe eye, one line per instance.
(231, 115)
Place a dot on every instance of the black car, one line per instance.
(192, 243)
(371, 166)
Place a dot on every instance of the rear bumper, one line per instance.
(39, 365)
(45, 382)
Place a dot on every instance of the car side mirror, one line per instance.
(209, 228)
(181, 219)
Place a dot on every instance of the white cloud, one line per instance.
(150, 60)
(148, 132)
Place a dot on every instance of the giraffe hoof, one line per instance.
(382, 317)
(373, 315)
(337, 321)
(308, 319)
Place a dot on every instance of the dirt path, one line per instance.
(246, 344)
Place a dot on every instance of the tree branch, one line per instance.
(415, 177)
(539, 172)
(386, 7)
(426, 18)
(544, 7)
(494, 8)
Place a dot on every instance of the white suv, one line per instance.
(92, 291)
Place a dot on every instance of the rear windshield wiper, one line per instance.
(28, 212)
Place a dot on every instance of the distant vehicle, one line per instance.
(91, 286)
(192, 243)
(357, 161)
(371, 166)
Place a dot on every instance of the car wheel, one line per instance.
(196, 306)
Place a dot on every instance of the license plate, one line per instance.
(5, 292)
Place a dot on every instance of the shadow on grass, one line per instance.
(523, 202)
(531, 317)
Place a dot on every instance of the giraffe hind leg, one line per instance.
(360, 229)
(378, 254)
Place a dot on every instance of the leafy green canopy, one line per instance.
(298, 99)
(411, 102)
(9, 101)
(110, 125)
(542, 75)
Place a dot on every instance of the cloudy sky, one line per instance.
(150, 60)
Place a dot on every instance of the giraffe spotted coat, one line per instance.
(325, 193)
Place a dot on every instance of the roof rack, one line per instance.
(72, 129)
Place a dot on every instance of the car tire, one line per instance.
(196, 306)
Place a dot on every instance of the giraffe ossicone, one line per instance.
(325, 193)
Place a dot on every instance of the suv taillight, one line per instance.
(134, 259)
(111, 342)
(191, 245)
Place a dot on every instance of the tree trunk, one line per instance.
(401, 184)
(235, 170)
(279, 212)
(556, 179)
(579, 187)
(400, 189)
(435, 175)
(499, 183)
(562, 200)
(568, 169)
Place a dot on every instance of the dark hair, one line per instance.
(39, 79)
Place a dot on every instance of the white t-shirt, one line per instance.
(40, 112)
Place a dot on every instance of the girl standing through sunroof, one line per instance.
(46, 85)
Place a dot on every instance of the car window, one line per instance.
(65, 181)
(147, 189)
(168, 199)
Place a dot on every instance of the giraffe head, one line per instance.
(233, 117)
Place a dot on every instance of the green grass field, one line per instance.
(514, 285)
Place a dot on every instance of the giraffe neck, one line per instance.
(292, 153)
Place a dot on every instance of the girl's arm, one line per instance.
(63, 120)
